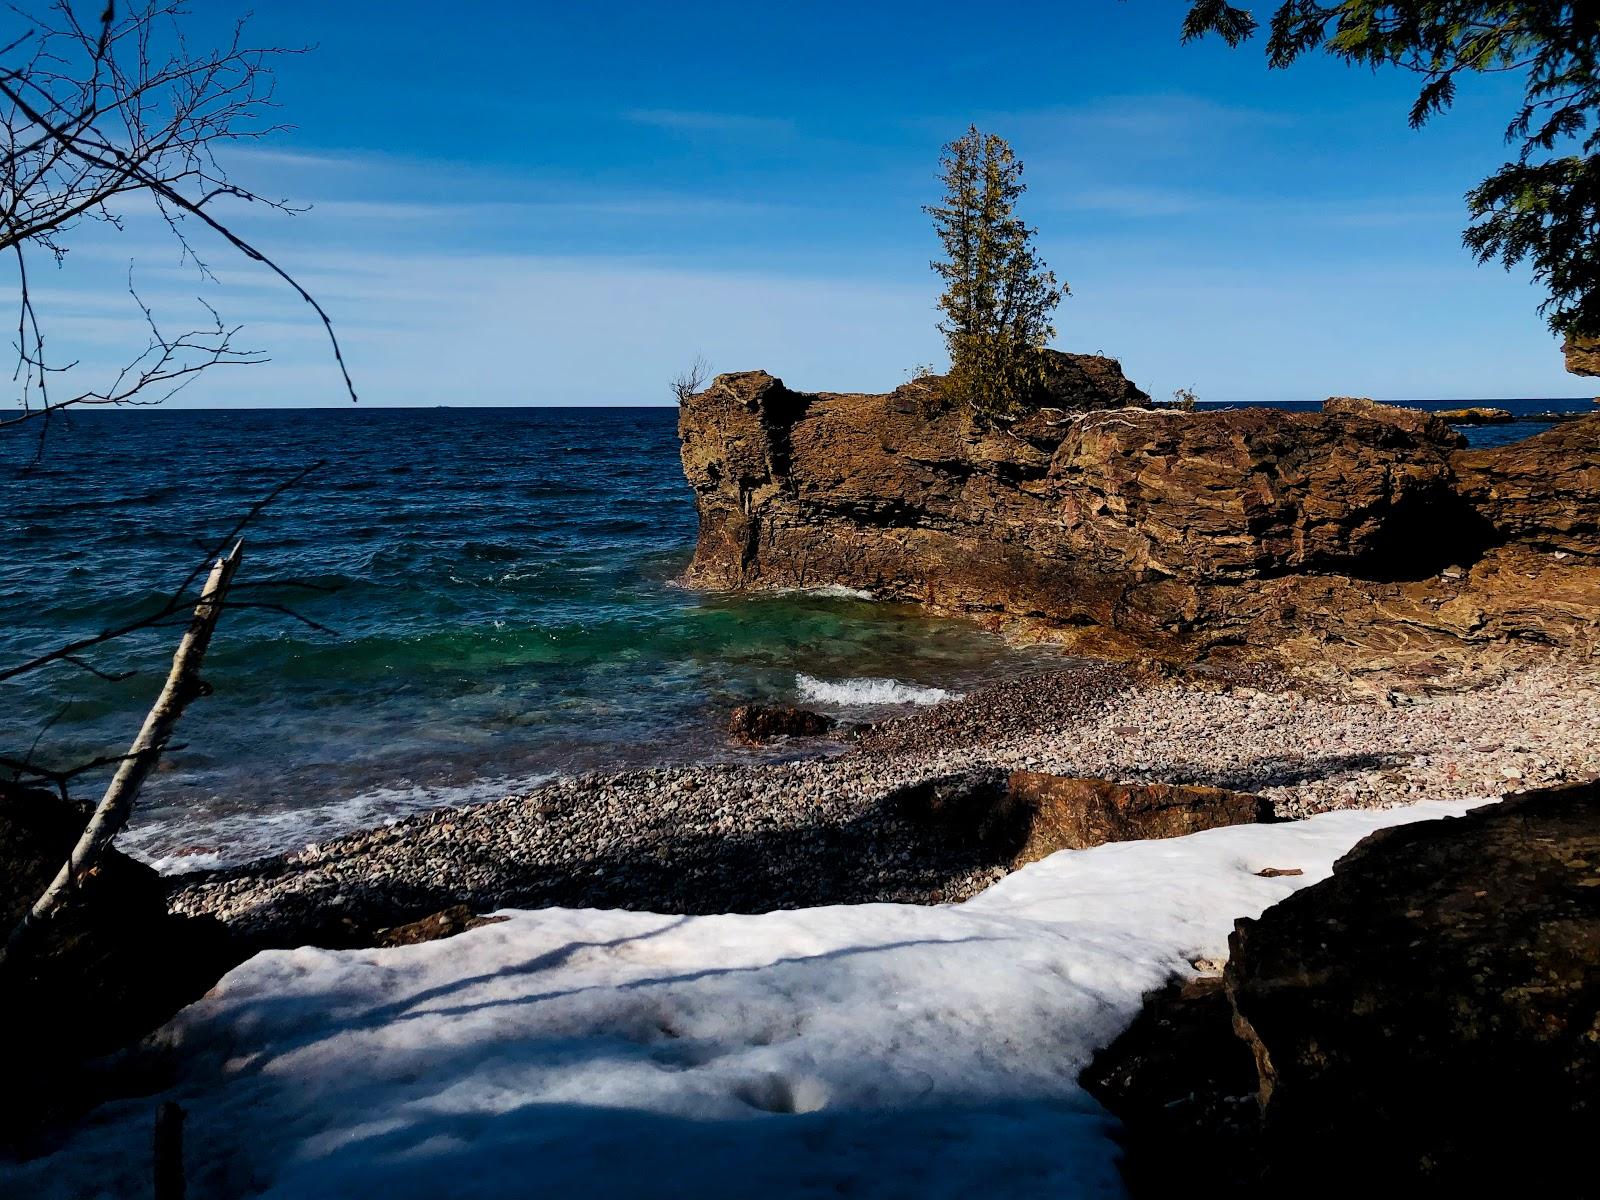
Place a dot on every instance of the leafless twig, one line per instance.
(98, 119)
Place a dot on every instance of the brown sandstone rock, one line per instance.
(760, 723)
(1252, 492)
(1543, 492)
(1063, 813)
(1582, 355)
(1412, 420)
(1029, 815)
(1318, 538)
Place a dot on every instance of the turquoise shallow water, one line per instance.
(505, 608)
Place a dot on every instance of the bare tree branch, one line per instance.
(691, 380)
(97, 118)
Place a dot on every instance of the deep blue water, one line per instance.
(505, 607)
(503, 601)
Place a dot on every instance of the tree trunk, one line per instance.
(111, 814)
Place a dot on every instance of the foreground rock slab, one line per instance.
(1428, 1017)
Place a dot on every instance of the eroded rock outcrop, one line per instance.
(1428, 1017)
(1363, 536)
(1543, 492)
(1582, 355)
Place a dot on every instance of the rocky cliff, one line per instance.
(1363, 533)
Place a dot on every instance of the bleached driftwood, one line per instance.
(111, 814)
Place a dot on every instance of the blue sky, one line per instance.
(541, 204)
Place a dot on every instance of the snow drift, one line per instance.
(876, 1050)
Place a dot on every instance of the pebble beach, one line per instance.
(821, 827)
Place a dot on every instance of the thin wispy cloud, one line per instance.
(688, 121)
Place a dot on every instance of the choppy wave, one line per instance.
(247, 835)
(828, 591)
(865, 692)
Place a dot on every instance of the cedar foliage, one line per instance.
(999, 294)
(1544, 208)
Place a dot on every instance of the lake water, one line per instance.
(500, 583)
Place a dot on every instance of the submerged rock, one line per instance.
(1428, 1017)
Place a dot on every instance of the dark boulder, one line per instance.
(1426, 1020)
(762, 723)
(108, 968)
(1184, 1086)
(1433, 1009)
(1028, 815)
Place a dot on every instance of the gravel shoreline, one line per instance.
(749, 838)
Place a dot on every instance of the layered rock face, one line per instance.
(1544, 492)
(1429, 1017)
(1156, 531)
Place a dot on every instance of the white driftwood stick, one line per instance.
(111, 814)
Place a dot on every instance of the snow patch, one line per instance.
(860, 692)
(877, 1050)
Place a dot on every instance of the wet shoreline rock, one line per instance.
(759, 724)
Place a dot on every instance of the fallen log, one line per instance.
(183, 685)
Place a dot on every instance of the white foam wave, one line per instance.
(830, 591)
(859, 692)
(187, 841)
